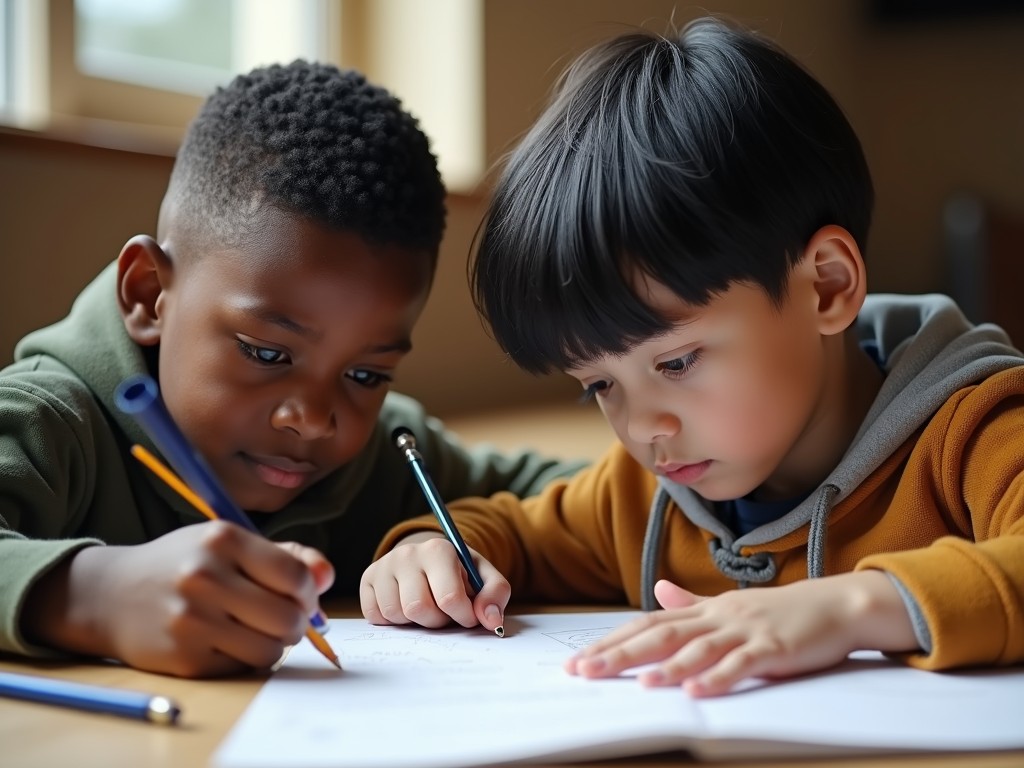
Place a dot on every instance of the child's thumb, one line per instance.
(319, 566)
(670, 595)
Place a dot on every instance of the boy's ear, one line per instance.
(836, 271)
(143, 274)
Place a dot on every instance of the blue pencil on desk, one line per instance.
(405, 441)
(139, 397)
(92, 698)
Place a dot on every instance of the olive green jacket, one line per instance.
(67, 479)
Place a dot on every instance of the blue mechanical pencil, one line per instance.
(92, 698)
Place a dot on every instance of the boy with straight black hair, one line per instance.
(295, 249)
(803, 469)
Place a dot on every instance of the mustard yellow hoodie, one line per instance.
(931, 491)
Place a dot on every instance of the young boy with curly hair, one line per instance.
(802, 469)
(294, 252)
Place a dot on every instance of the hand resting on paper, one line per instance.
(708, 645)
(421, 581)
(204, 600)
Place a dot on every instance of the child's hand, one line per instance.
(710, 644)
(208, 599)
(421, 581)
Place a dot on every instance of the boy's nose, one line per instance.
(645, 424)
(312, 418)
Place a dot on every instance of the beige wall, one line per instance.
(939, 107)
(65, 211)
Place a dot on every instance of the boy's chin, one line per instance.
(269, 503)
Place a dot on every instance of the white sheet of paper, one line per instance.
(446, 698)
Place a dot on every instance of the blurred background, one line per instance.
(95, 95)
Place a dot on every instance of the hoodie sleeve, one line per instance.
(970, 588)
(44, 484)
(580, 540)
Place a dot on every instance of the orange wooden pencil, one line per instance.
(176, 483)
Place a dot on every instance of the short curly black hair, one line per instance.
(316, 141)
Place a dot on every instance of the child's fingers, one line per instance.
(368, 602)
(648, 639)
(742, 662)
(319, 566)
(489, 604)
(446, 599)
(248, 604)
(263, 562)
(381, 602)
(251, 648)
(619, 635)
(694, 658)
(206, 643)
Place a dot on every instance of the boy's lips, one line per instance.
(684, 474)
(281, 471)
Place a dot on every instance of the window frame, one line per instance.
(432, 61)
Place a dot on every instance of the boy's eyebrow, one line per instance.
(283, 321)
(403, 345)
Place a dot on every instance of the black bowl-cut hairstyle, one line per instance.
(700, 161)
(316, 141)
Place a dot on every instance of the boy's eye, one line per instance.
(595, 389)
(368, 379)
(264, 355)
(679, 366)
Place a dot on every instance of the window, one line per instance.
(191, 46)
(23, 62)
(134, 72)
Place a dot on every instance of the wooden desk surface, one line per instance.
(43, 736)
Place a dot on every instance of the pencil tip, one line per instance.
(336, 663)
(499, 631)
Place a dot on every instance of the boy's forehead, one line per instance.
(270, 238)
(307, 283)
(662, 299)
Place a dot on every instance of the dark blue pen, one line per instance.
(92, 698)
(139, 397)
(406, 443)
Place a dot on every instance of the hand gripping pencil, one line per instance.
(406, 443)
(139, 397)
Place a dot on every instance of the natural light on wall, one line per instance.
(143, 66)
(431, 55)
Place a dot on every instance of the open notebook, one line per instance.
(442, 699)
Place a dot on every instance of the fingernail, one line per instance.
(595, 664)
(493, 614)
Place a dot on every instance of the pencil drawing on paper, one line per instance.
(439, 640)
(578, 639)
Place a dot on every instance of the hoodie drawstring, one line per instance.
(743, 569)
(816, 534)
(651, 554)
